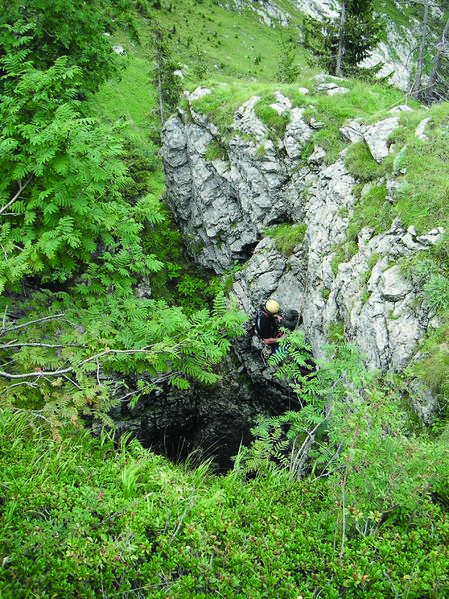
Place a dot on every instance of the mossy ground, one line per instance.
(86, 518)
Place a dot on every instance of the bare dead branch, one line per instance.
(32, 385)
(71, 381)
(149, 387)
(98, 374)
(5, 329)
(17, 196)
(50, 345)
(149, 349)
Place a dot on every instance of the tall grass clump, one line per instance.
(275, 121)
(424, 189)
(361, 164)
(429, 272)
(287, 237)
(215, 151)
(371, 210)
(221, 103)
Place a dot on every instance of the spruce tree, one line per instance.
(343, 43)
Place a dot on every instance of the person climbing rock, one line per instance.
(268, 323)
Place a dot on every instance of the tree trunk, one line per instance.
(416, 87)
(437, 60)
(159, 91)
(341, 45)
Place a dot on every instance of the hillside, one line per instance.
(135, 253)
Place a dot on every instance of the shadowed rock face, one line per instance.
(207, 421)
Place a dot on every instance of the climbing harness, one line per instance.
(265, 354)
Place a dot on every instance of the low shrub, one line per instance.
(93, 518)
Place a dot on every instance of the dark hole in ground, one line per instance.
(210, 423)
(206, 422)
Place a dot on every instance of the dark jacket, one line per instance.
(266, 325)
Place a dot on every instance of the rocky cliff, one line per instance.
(225, 204)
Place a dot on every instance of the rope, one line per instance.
(303, 296)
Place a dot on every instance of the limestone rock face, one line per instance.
(224, 207)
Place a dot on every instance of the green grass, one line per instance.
(232, 43)
(372, 210)
(424, 190)
(423, 185)
(275, 121)
(361, 164)
(215, 151)
(227, 95)
(365, 101)
(287, 237)
(433, 368)
(131, 97)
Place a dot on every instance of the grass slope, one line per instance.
(84, 518)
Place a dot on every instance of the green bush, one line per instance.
(85, 517)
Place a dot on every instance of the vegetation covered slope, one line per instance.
(83, 517)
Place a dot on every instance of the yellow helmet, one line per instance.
(272, 306)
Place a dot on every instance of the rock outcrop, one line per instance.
(224, 207)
